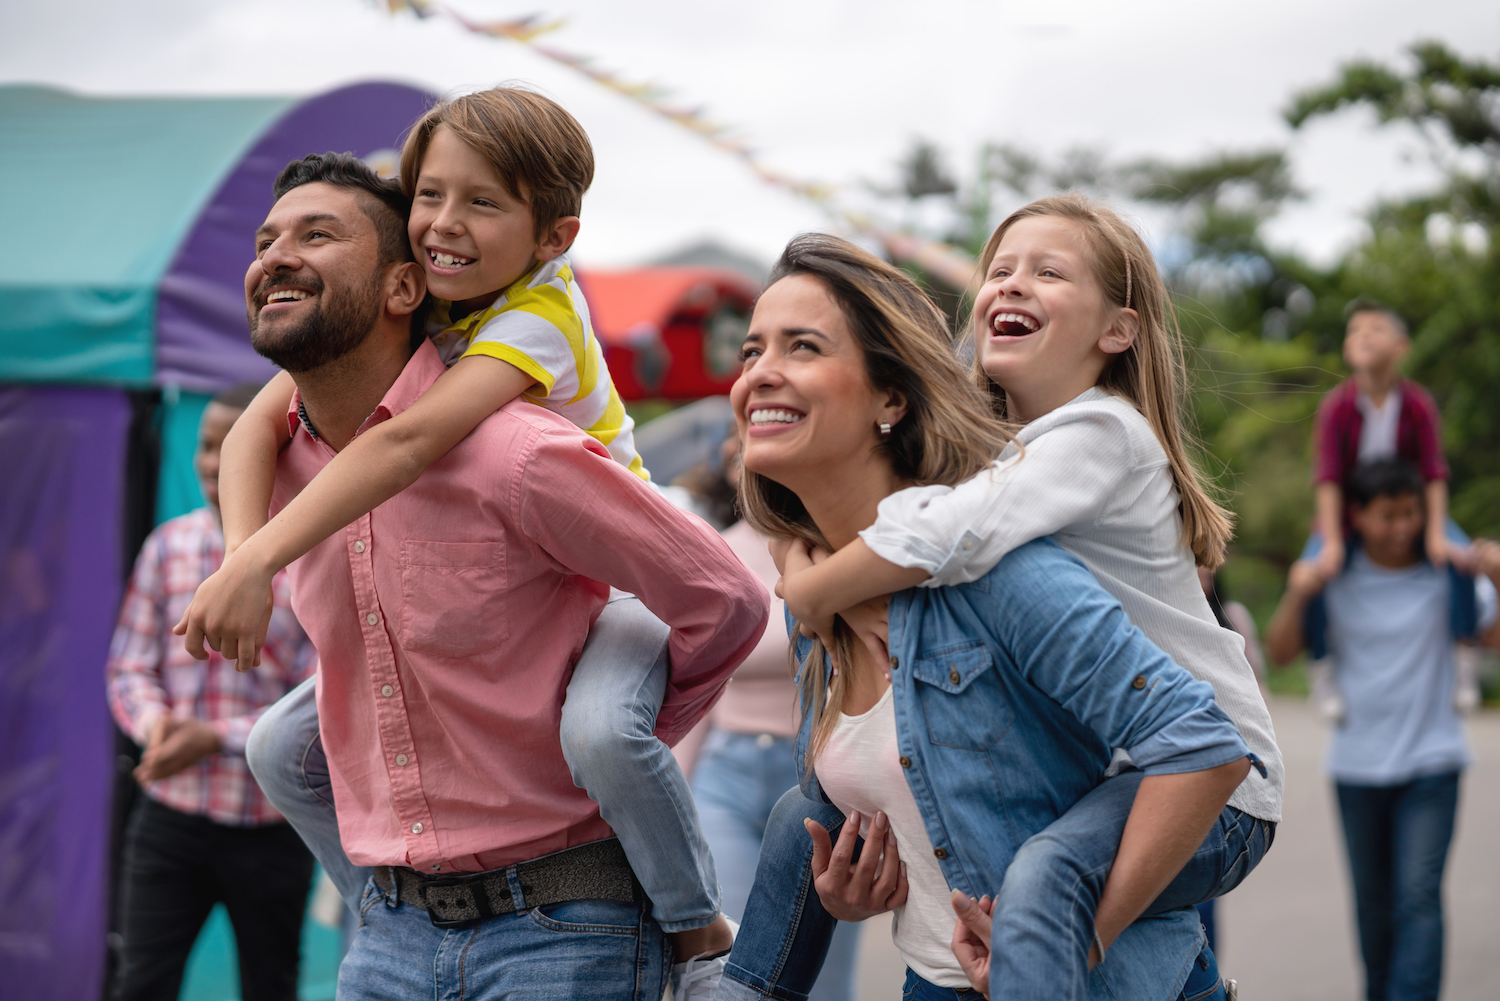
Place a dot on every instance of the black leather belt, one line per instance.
(595, 871)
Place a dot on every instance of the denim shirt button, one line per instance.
(905, 761)
(895, 663)
(940, 852)
(1139, 682)
(953, 677)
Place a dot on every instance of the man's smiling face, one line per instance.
(314, 290)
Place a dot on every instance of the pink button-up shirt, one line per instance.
(448, 620)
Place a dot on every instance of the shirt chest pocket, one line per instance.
(962, 699)
(451, 598)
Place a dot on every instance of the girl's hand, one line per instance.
(873, 885)
(796, 557)
(230, 612)
(971, 938)
(868, 622)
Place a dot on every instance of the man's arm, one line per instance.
(133, 671)
(601, 521)
(1284, 638)
(1487, 562)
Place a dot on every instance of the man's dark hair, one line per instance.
(238, 396)
(1383, 478)
(1364, 304)
(383, 201)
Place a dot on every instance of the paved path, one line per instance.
(1287, 933)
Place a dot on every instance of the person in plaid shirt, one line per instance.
(203, 833)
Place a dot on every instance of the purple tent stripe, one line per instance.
(202, 343)
(64, 451)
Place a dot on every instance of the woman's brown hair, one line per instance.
(1150, 373)
(947, 435)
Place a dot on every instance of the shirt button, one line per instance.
(940, 852)
(764, 740)
(1139, 682)
(953, 676)
(372, 618)
(387, 691)
(968, 544)
(895, 663)
(359, 546)
(401, 759)
(905, 761)
(416, 828)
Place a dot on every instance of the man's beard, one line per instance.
(339, 323)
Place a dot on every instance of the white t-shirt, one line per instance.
(860, 769)
(1092, 475)
(1377, 435)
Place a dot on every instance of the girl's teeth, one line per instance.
(449, 260)
(1027, 322)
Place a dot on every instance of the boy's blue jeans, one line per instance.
(584, 950)
(1397, 838)
(607, 721)
(1044, 911)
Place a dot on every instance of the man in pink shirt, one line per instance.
(447, 622)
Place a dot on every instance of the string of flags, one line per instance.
(947, 263)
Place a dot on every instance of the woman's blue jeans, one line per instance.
(607, 721)
(1044, 910)
(1397, 838)
(737, 781)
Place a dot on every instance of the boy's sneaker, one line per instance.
(698, 978)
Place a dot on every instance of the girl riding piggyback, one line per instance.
(1076, 342)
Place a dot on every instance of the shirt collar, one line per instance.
(421, 371)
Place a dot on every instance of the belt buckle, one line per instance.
(437, 922)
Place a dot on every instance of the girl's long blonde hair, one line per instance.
(1150, 373)
(948, 435)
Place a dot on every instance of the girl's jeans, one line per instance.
(737, 781)
(1203, 984)
(1044, 910)
(607, 722)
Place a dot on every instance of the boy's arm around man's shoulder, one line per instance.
(602, 521)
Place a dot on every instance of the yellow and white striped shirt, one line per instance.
(540, 324)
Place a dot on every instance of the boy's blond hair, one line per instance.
(540, 152)
(1150, 373)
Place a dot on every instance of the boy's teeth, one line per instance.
(775, 417)
(287, 295)
(449, 260)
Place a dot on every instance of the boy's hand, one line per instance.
(230, 612)
(873, 885)
(971, 938)
(175, 744)
(1330, 560)
(1307, 577)
(1441, 551)
(1485, 554)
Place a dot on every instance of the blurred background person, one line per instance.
(203, 833)
(1390, 618)
(740, 763)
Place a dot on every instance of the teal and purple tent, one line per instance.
(127, 229)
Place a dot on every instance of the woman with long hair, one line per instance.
(1004, 697)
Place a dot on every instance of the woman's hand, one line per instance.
(230, 612)
(873, 885)
(971, 938)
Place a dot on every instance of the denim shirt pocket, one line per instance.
(962, 700)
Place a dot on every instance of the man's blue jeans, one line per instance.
(1044, 911)
(737, 781)
(1397, 838)
(606, 733)
(585, 950)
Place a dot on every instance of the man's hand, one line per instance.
(873, 885)
(1307, 577)
(175, 744)
(230, 612)
(1486, 558)
(1330, 560)
(971, 938)
(1441, 550)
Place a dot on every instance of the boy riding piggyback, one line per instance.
(496, 181)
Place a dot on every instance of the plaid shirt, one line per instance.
(1419, 433)
(150, 673)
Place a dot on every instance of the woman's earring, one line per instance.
(885, 431)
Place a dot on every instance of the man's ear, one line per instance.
(559, 237)
(1120, 334)
(405, 288)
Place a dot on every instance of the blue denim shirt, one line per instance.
(1011, 693)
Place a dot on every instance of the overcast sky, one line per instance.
(828, 89)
